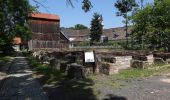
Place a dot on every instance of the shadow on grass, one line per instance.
(58, 86)
(71, 90)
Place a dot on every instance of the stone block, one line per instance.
(70, 58)
(55, 64)
(164, 56)
(150, 59)
(108, 59)
(123, 62)
(108, 69)
(139, 64)
(139, 57)
(44, 58)
(76, 71)
(159, 61)
(168, 61)
(63, 66)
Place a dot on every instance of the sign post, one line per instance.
(90, 61)
(89, 57)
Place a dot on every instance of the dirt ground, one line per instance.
(152, 88)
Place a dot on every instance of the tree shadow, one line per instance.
(21, 86)
(60, 87)
(114, 97)
(69, 89)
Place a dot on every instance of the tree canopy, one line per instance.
(152, 26)
(79, 27)
(13, 19)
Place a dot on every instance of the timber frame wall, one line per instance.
(46, 32)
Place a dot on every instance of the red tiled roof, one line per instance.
(44, 16)
(17, 40)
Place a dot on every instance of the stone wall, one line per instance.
(108, 68)
(150, 59)
(111, 65)
(106, 63)
(142, 61)
(162, 58)
(123, 62)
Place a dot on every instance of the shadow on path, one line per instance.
(19, 83)
(114, 97)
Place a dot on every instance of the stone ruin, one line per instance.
(111, 63)
(142, 61)
(76, 71)
(162, 58)
(63, 61)
(106, 62)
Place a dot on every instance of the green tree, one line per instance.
(141, 25)
(125, 6)
(96, 29)
(13, 19)
(79, 27)
(153, 20)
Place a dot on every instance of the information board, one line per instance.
(89, 57)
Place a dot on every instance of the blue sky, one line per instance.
(71, 16)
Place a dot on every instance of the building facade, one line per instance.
(46, 32)
(112, 34)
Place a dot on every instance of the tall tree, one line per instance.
(96, 29)
(13, 19)
(125, 6)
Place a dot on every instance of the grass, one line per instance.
(4, 60)
(40, 68)
(124, 76)
(140, 73)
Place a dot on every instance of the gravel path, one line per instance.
(153, 88)
(19, 83)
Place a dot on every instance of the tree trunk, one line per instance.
(126, 30)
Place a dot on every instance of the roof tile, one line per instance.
(44, 16)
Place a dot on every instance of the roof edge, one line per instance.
(44, 16)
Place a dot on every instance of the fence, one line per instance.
(38, 44)
(97, 47)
